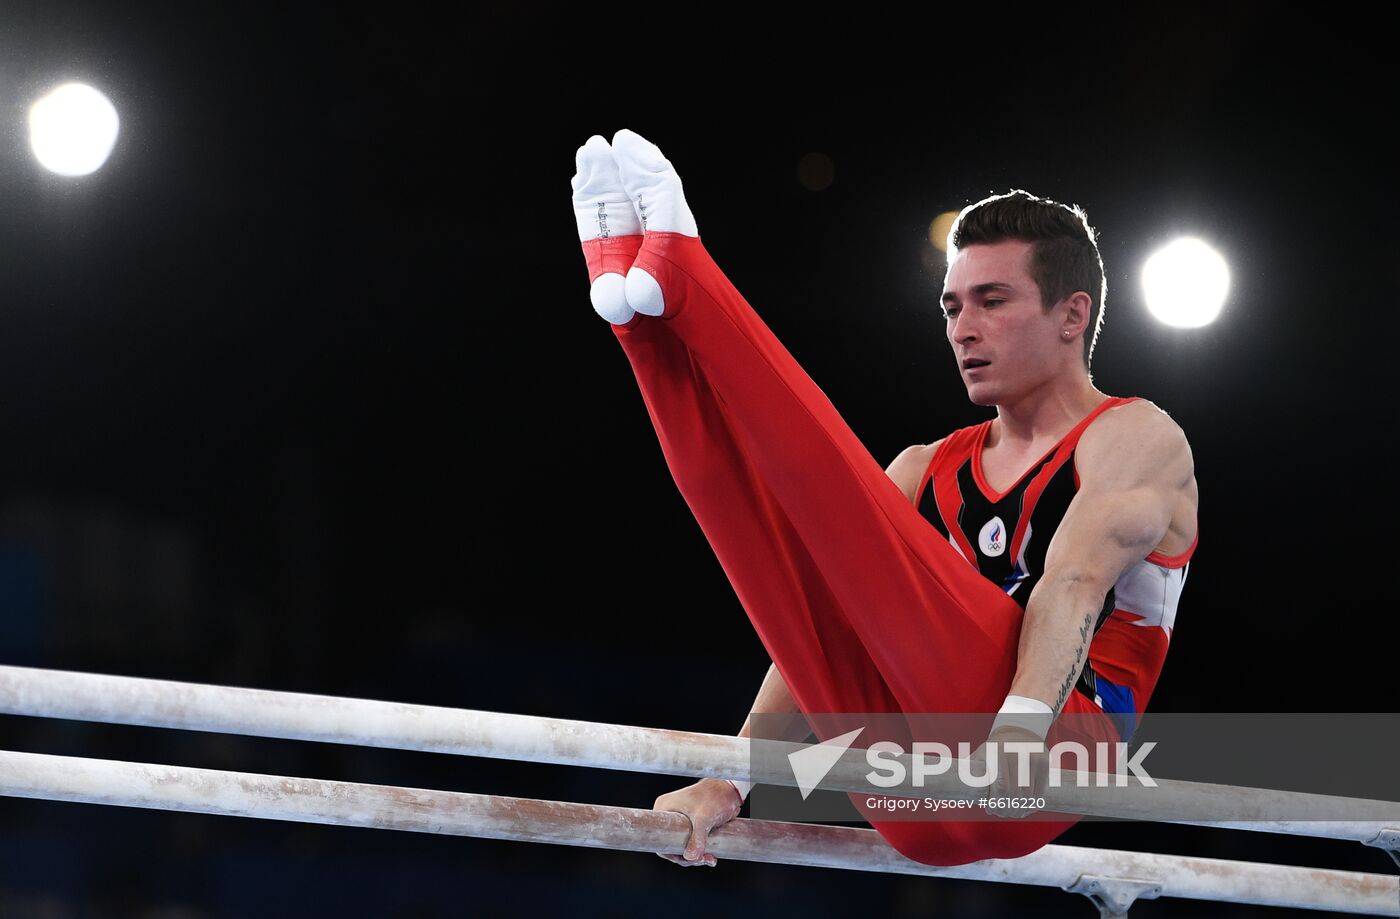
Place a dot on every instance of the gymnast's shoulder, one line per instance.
(1136, 434)
(910, 465)
(1137, 421)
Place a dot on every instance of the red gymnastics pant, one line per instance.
(861, 604)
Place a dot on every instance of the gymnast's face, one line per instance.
(994, 315)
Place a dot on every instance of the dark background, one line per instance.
(303, 391)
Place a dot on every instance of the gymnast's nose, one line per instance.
(962, 330)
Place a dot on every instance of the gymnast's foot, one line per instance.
(655, 191)
(620, 192)
(608, 227)
(652, 185)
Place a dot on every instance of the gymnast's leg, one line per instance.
(916, 605)
(748, 435)
(806, 634)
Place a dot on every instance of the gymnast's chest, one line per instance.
(1003, 534)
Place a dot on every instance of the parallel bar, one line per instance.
(270, 797)
(366, 723)
(302, 716)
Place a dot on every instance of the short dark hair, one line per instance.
(1064, 254)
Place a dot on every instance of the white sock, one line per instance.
(652, 184)
(603, 209)
(601, 204)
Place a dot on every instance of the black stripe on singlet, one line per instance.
(928, 507)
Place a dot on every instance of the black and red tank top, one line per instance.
(1005, 536)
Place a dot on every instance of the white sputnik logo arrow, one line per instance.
(811, 765)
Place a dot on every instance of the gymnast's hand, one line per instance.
(1007, 788)
(709, 803)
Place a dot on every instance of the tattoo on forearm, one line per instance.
(1086, 628)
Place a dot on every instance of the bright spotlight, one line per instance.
(72, 129)
(1185, 284)
(939, 229)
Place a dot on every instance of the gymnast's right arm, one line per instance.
(711, 803)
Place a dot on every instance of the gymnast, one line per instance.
(1029, 565)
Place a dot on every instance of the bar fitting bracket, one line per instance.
(1114, 896)
(1388, 839)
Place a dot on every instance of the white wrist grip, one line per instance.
(1026, 713)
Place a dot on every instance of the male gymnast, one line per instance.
(1027, 565)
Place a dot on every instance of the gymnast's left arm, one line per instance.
(1134, 466)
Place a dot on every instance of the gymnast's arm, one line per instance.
(1135, 468)
(774, 698)
(909, 467)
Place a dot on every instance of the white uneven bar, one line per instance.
(270, 797)
(363, 722)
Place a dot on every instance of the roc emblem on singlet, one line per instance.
(993, 537)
